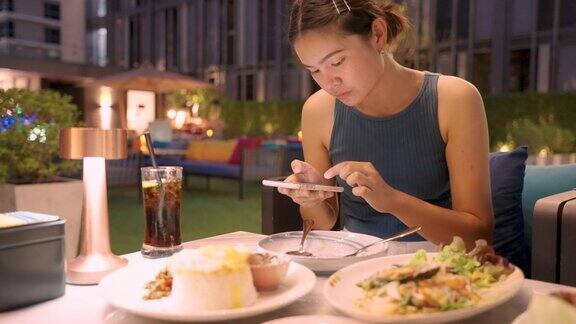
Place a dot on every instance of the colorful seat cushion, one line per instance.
(218, 151)
(195, 150)
(243, 143)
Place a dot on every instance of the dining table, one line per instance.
(86, 305)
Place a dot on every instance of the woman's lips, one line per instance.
(343, 95)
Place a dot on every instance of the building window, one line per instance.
(6, 5)
(98, 39)
(250, 93)
(172, 35)
(545, 14)
(229, 32)
(463, 18)
(52, 10)
(519, 70)
(52, 35)
(7, 29)
(134, 52)
(98, 8)
(481, 72)
(443, 20)
(266, 30)
(567, 13)
(239, 86)
(262, 30)
(271, 34)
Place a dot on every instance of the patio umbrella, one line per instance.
(149, 79)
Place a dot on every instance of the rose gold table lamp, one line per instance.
(93, 146)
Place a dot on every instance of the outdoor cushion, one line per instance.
(507, 181)
(243, 143)
(210, 168)
(542, 181)
(218, 151)
(195, 150)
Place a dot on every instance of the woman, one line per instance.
(409, 147)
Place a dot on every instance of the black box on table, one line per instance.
(32, 263)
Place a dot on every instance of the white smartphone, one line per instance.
(301, 186)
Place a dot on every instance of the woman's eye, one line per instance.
(339, 62)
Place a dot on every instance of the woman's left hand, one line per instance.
(366, 182)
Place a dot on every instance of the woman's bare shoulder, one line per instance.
(319, 104)
(459, 104)
(317, 116)
(453, 89)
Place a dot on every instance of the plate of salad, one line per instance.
(425, 287)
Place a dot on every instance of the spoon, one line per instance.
(391, 238)
(307, 224)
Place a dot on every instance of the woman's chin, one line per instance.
(347, 100)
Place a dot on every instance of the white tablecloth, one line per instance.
(83, 305)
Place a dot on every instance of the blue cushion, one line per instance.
(211, 168)
(159, 144)
(542, 181)
(179, 144)
(507, 181)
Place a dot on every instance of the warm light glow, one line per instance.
(300, 136)
(209, 133)
(105, 97)
(543, 152)
(197, 121)
(504, 148)
(143, 146)
(180, 119)
(195, 109)
(105, 108)
(171, 114)
(140, 109)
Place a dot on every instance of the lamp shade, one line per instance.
(80, 142)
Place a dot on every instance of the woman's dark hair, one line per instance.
(353, 17)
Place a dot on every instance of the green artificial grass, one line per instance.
(205, 212)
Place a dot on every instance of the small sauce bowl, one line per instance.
(268, 270)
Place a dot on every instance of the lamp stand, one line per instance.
(95, 259)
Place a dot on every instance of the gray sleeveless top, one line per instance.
(406, 148)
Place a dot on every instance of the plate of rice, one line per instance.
(212, 283)
(425, 287)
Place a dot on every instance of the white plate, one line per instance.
(342, 293)
(314, 319)
(328, 248)
(124, 289)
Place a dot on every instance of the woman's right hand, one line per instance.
(304, 172)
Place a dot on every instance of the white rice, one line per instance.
(202, 283)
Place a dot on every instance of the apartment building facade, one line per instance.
(43, 46)
(238, 45)
(241, 47)
(499, 45)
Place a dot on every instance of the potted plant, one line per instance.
(30, 170)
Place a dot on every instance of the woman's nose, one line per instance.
(335, 83)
